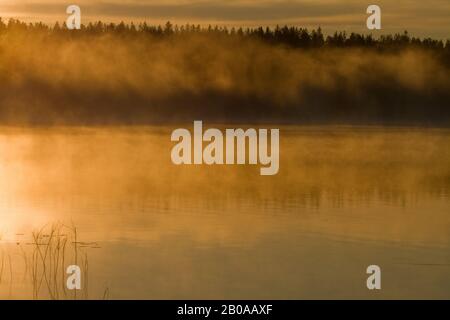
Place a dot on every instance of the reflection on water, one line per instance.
(344, 198)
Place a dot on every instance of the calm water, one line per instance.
(345, 198)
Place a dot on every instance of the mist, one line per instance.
(112, 79)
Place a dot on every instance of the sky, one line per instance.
(430, 18)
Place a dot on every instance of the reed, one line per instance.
(45, 258)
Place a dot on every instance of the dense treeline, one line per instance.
(296, 37)
(137, 73)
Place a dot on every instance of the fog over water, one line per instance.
(345, 198)
(86, 175)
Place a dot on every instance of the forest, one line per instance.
(108, 73)
(295, 37)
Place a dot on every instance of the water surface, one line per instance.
(345, 198)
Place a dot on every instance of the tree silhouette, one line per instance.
(295, 37)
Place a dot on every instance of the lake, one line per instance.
(110, 199)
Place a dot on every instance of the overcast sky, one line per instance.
(421, 18)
